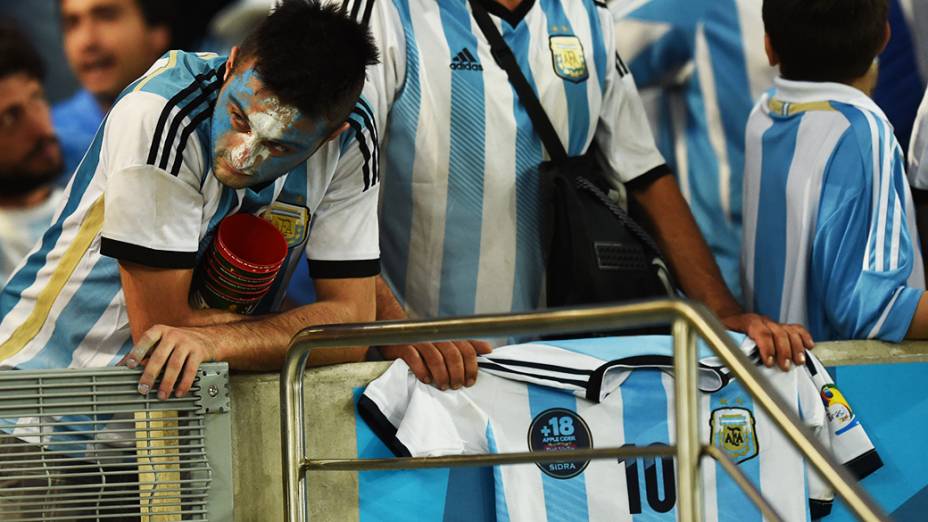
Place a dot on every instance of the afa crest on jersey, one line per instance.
(291, 220)
(733, 432)
(568, 58)
(839, 410)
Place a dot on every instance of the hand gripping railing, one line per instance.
(686, 319)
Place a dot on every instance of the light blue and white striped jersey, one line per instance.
(461, 210)
(829, 232)
(151, 163)
(545, 410)
(706, 60)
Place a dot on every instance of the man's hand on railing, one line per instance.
(776, 342)
(179, 351)
(445, 364)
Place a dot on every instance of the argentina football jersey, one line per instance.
(705, 61)
(145, 193)
(829, 225)
(553, 396)
(461, 208)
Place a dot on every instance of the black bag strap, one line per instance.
(503, 56)
(619, 213)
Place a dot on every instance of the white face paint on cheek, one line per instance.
(270, 124)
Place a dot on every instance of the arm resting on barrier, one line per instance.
(444, 364)
(694, 267)
(254, 343)
(159, 296)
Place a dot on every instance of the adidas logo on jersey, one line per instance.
(465, 61)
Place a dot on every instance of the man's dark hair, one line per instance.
(312, 57)
(825, 40)
(17, 55)
(158, 12)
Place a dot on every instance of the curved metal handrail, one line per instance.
(686, 318)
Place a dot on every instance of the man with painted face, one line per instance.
(275, 129)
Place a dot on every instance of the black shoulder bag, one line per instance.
(594, 252)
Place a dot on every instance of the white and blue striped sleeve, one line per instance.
(655, 38)
(623, 133)
(418, 420)
(153, 162)
(863, 253)
(344, 233)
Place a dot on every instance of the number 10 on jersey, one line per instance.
(659, 482)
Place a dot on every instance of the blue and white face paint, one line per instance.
(257, 138)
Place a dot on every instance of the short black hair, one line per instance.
(312, 57)
(158, 12)
(825, 40)
(17, 54)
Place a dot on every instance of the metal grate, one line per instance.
(84, 445)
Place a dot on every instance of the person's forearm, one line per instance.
(684, 247)
(918, 328)
(388, 307)
(261, 343)
(211, 317)
(159, 296)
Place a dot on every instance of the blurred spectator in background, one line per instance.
(706, 61)
(235, 21)
(30, 157)
(38, 20)
(900, 83)
(108, 43)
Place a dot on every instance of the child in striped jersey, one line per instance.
(829, 236)
(829, 229)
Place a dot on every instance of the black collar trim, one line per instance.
(513, 18)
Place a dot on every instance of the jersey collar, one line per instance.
(794, 92)
(512, 17)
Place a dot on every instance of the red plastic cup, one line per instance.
(251, 245)
(243, 262)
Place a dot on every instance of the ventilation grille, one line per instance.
(84, 445)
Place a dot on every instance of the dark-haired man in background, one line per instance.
(30, 158)
(108, 43)
(197, 138)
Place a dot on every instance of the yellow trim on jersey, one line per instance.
(172, 61)
(90, 227)
(783, 108)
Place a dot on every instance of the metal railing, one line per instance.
(687, 320)
(82, 444)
